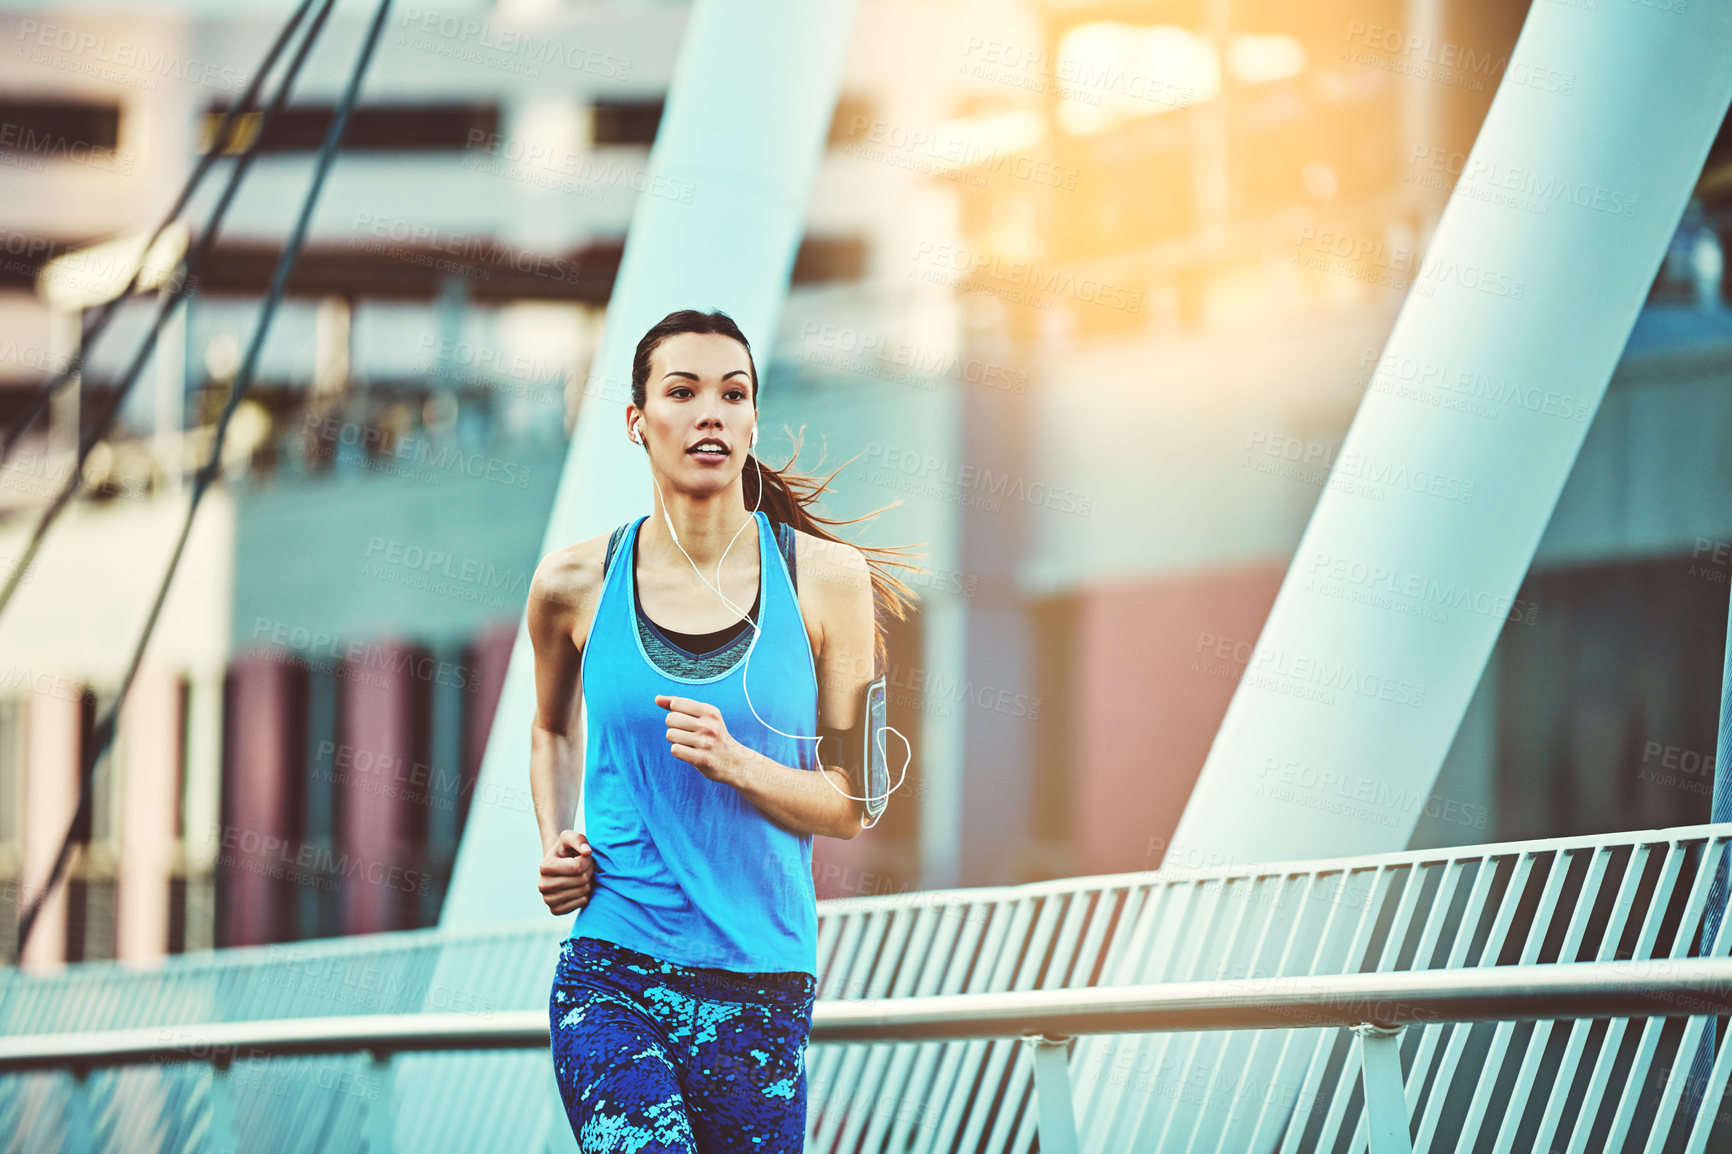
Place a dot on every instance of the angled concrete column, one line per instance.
(1472, 421)
(743, 130)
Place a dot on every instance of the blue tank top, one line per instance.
(687, 869)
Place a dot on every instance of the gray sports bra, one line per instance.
(700, 654)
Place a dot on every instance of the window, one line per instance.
(827, 259)
(625, 121)
(379, 128)
(51, 126)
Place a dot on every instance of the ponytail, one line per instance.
(787, 499)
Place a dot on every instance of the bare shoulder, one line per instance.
(835, 592)
(567, 583)
(831, 566)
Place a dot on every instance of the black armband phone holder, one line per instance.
(860, 750)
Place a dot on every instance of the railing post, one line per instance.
(80, 1132)
(1052, 1093)
(380, 1122)
(1385, 1095)
(221, 1137)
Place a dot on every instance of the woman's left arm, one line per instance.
(793, 798)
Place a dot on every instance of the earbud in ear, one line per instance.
(637, 431)
(754, 444)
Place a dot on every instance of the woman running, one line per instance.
(682, 1001)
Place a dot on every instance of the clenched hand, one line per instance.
(698, 736)
(567, 873)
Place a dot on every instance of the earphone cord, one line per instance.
(756, 631)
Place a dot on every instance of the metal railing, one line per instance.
(1376, 1006)
(1639, 895)
(1501, 1086)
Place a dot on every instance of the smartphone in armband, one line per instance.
(876, 759)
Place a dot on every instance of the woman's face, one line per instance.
(699, 393)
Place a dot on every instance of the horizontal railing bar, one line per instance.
(220, 1043)
(1684, 987)
(1626, 989)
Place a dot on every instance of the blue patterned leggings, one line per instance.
(658, 1058)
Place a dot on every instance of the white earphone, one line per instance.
(637, 435)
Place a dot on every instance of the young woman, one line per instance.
(682, 1002)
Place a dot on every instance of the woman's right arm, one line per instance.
(560, 609)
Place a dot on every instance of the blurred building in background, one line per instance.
(1091, 289)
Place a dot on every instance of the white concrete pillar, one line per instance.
(744, 127)
(1470, 426)
(150, 797)
(53, 732)
(201, 833)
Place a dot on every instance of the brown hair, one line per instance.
(787, 496)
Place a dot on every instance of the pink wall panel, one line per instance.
(851, 868)
(376, 719)
(488, 659)
(254, 834)
(1152, 689)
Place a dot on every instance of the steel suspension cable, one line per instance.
(105, 727)
(187, 287)
(220, 142)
